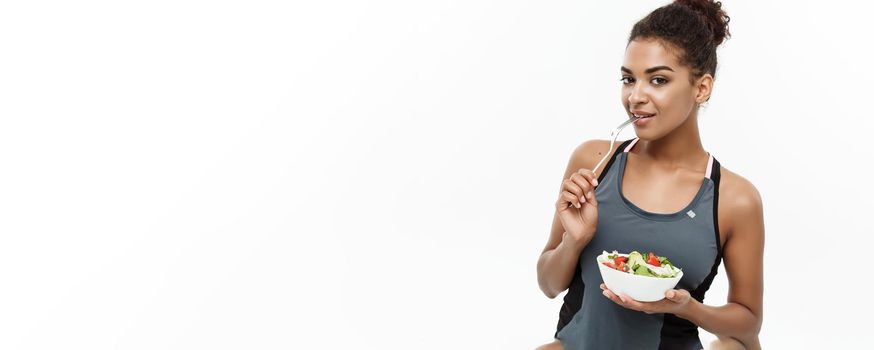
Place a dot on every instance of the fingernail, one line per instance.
(590, 194)
(577, 205)
(605, 294)
(621, 298)
(596, 182)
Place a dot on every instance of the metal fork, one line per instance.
(614, 135)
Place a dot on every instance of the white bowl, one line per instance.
(640, 288)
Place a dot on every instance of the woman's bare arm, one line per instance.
(557, 262)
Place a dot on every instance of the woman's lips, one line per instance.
(643, 121)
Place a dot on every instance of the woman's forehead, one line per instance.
(643, 54)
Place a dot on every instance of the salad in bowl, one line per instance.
(641, 277)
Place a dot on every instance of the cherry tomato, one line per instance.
(653, 260)
(622, 267)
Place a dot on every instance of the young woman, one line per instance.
(662, 192)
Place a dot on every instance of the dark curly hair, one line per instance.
(691, 28)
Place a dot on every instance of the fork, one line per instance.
(614, 135)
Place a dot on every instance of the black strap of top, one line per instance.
(613, 158)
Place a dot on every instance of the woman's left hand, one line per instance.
(675, 302)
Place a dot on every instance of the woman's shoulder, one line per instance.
(738, 187)
(590, 152)
(739, 199)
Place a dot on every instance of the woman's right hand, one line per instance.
(577, 206)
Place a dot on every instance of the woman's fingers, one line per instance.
(589, 175)
(629, 303)
(587, 181)
(583, 185)
(678, 295)
(609, 294)
(571, 186)
(567, 197)
(587, 187)
(622, 299)
(633, 304)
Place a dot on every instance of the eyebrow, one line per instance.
(649, 70)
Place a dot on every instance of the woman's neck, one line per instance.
(681, 148)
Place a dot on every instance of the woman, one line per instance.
(660, 192)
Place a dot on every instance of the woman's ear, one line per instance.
(704, 86)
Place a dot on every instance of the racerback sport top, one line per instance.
(689, 238)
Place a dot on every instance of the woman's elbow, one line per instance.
(544, 287)
(543, 280)
(549, 294)
(750, 338)
(756, 326)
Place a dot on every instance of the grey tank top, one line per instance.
(689, 238)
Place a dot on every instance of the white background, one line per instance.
(382, 174)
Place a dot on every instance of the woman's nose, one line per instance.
(637, 96)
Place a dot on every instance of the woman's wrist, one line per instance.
(575, 244)
(689, 310)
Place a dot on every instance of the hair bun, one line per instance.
(715, 17)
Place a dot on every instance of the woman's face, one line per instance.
(655, 83)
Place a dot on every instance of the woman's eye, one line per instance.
(656, 80)
(663, 81)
